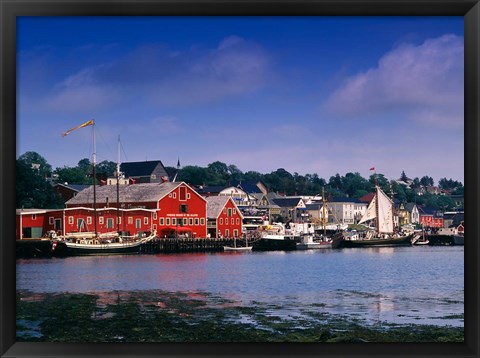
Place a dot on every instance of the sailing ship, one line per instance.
(380, 210)
(95, 243)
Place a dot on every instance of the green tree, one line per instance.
(36, 162)
(32, 188)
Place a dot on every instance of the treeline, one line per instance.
(33, 171)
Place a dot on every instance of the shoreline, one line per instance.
(160, 316)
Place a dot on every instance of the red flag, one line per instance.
(372, 168)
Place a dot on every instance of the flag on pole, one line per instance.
(372, 168)
(89, 123)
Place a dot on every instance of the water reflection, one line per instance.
(378, 284)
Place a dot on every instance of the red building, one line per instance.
(224, 218)
(427, 220)
(171, 209)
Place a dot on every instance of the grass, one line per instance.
(158, 316)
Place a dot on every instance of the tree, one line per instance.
(427, 181)
(403, 177)
(32, 188)
(36, 162)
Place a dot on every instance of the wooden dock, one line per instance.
(177, 245)
(43, 248)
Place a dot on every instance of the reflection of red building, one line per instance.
(224, 218)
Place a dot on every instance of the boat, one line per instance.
(236, 248)
(420, 239)
(383, 234)
(458, 239)
(274, 237)
(95, 243)
(308, 242)
(322, 241)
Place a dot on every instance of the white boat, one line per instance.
(236, 248)
(307, 242)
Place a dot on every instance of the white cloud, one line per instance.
(423, 82)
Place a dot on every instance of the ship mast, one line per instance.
(94, 160)
(324, 213)
(118, 185)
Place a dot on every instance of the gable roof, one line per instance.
(143, 169)
(249, 186)
(210, 189)
(150, 192)
(215, 205)
(287, 202)
(74, 187)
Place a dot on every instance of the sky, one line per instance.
(322, 95)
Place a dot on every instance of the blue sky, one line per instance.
(321, 95)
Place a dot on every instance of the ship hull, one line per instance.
(400, 241)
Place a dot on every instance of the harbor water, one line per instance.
(397, 285)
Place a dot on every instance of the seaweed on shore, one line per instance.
(158, 316)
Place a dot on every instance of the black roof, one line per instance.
(287, 202)
(139, 169)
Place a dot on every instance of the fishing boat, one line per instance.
(323, 241)
(274, 237)
(380, 210)
(420, 240)
(95, 243)
(236, 248)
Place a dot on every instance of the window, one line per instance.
(174, 195)
(174, 221)
(235, 233)
(109, 223)
(191, 222)
(89, 220)
(196, 221)
(154, 226)
(183, 208)
(130, 220)
(34, 216)
(221, 221)
(145, 220)
(238, 221)
(70, 220)
(202, 221)
(50, 220)
(155, 216)
(229, 212)
(138, 223)
(100, 220)
(161, 221)
(182, 193)
(119, 220)
(188, 195)
(184, 221)
(80, 224)
(234, 211)
(167, 221)
(227, 233)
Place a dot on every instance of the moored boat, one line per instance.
(236, 248)
(379, 210)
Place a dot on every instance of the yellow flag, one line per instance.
(89, 123)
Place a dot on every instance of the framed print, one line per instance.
(249, 178)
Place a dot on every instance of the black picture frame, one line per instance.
(10, 9)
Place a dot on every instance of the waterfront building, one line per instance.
(430, 218)
(175, 208)
(347, 210)
(151, 171)
(224, 219)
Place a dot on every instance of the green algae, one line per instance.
(158, 316)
